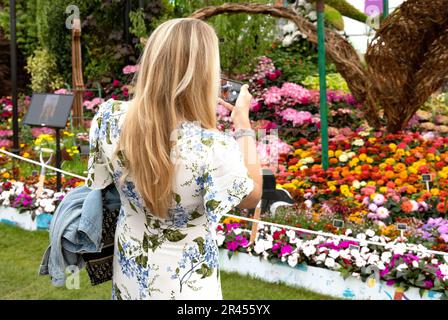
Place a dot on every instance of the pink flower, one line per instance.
(232, 245)
(286, 249)
(116, 83)
(255, 105)
(296, 117)
(222, 111)
(62, 91)
(296, 92)
(130, 69)
(272, 96)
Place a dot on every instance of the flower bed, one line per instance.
(397, 264)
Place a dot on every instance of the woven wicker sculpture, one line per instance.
(407, 61)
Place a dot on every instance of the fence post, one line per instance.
(320, 8)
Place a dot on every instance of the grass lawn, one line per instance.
(20, 256)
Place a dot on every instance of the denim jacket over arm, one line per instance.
(76, 228)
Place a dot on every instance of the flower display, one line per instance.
(396, 263)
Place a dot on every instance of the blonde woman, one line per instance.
(175, 172)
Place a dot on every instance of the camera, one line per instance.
(230, 90)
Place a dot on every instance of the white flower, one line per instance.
(402, 266)
(385, 256)
(379, 199)
(414, 205)
(309, 250)
(237, 231)
(373, 207)
(444, 270)
(364, 133)
(360, 262)
(400, 248)
(348, 232)
(434, 261)
(312, 15)
(220, 239)
(289, 27)
(361, 236)
(356, 275)
(415, 264)
(259, 246)
(356, 184)
(291, 234)
(50, 208)
(321, 257)
(358, 142)
(308, 203)
(343, 158)
(293, 260)
(333, 254)
(382, 212)
(330, 263)
(370, 233)
(373, 259)
(380, 265)
(287, 40)
(345, 254)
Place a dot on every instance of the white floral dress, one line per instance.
(174, 258)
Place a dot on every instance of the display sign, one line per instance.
(49, 110)
(338, 223)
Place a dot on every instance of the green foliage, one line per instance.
(242, 37)
(138, 27)
(346, 9)
(334, 82)
(334, 17)
(43, 70)
(296, 61)
(26, 27)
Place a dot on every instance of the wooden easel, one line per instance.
(77, 80)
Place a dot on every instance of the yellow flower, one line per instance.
(369, 160)
(435, 192)
(338, 153)
(383, 189)
(22, 145)
(26, 155)
(330, 153)
(6, 175)
(362, 157)
(390, 161)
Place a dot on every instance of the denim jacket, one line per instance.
(76, 228)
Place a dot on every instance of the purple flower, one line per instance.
(232, 245)
(286, 249)
(390, 282)
(428, 284)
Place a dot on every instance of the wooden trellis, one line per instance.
(77, 79)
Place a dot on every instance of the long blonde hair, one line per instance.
(178, 80)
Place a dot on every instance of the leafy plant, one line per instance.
(43, 70)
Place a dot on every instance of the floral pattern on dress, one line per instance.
(176, 257)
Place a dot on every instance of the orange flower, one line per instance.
(389, 174)
(407, 206)
(441, 207)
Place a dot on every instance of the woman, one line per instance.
(175, 172)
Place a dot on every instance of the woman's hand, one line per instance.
(240, 112)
